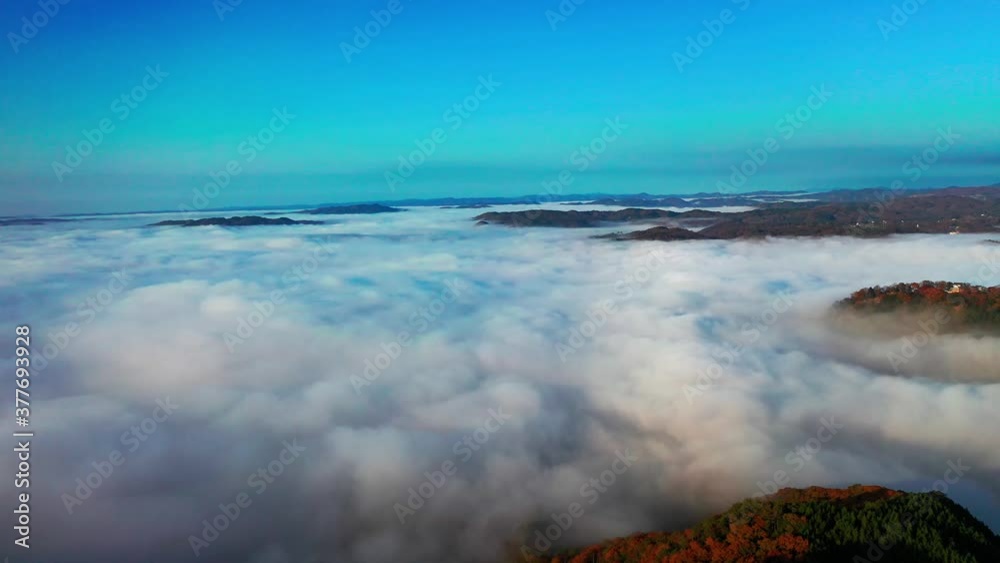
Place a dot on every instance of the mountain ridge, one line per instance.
(860, 524)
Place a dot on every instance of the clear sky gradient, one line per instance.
(894, 86)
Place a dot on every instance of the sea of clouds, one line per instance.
(411, 387)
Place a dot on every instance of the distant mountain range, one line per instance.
(359, 209)
(29, 221)
(242, 221)
(585, 219)
(859, 213)
(699, 199)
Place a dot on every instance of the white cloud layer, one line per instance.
(591, 348)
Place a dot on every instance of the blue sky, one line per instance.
(222, 78)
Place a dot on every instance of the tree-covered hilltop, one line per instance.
(241, 221)
(860, 524)
(967, 305)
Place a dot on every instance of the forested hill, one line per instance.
(963, 305)
(860, 524)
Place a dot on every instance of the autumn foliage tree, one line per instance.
(814, 524)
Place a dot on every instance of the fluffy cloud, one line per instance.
(709, 362)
